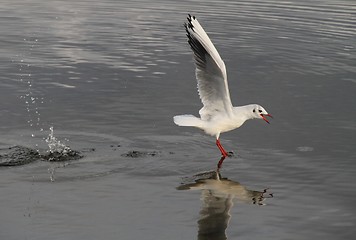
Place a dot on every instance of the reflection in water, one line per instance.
(217, 199)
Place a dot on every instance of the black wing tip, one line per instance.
(190, 17)
(198, 50)
(189, 24)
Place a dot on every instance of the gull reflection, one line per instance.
(217, 196)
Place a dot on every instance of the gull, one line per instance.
(217, 115)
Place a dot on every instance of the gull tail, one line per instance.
(188, 121)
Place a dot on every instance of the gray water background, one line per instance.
(110, 75)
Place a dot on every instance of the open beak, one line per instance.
(264, 117)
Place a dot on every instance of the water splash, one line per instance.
(56, 149)
(57, 153)
(56, 146)
(30, 97)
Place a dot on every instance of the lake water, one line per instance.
(108, 76)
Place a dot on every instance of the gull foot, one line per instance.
(227, 154)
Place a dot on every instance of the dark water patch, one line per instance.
(20, 155)
(60, 156)
(17, 155)
(138, 154)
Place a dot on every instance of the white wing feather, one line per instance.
(210, 72)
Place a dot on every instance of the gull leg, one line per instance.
(222, 150)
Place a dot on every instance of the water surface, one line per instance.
(109, 76)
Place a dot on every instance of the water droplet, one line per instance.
(51, 171)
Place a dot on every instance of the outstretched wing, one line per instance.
(210, 71)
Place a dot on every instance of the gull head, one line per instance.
(259, 112)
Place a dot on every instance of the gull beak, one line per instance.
(264, 117)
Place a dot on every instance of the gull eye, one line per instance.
(260, 110)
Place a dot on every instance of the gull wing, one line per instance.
(210, 72)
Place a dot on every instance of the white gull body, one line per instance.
(217, 114)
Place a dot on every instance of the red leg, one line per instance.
(222, 150)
